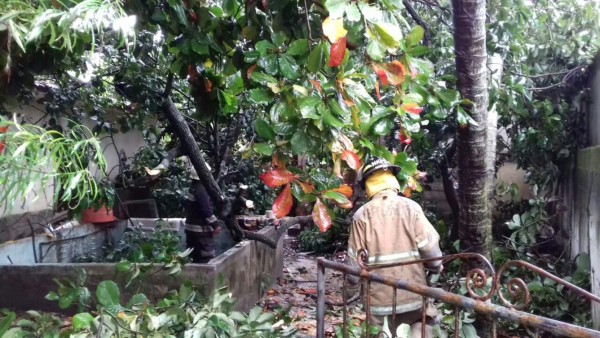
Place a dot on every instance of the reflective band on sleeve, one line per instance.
(351, 253)
(394, 258)
(423, 243)
(400, 308)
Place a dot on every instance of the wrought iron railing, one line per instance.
(481, 288)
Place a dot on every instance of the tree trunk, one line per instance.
(184, 134)
(471, 60)
(474, 183)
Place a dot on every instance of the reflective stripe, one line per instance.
(394, 258)
(385, 259)
(423, 243)
(400, 308)
(198, 228)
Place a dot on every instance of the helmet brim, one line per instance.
(393, 168)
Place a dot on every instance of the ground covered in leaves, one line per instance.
(296, 290)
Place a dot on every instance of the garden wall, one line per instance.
(580, 192)
(248, 269)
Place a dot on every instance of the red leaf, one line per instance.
(251, 70)
(382, 75)
(277, 163)
(3, 130)
(404, 137)
(351, 159)
(346, 205)
(412, 108)
(397, 71)
(377, 91)
(321, 216)
(316, 84)
(307, 188)
(344, 189)
(207, 85)
(277, 177)
(346, 142)
(283, 203)
(1, 147)
(337, 52)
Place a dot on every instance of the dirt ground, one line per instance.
(296, 290)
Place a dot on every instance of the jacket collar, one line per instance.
(386, 192)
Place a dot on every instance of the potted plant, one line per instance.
(97, 205)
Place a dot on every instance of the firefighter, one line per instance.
(201, 225)
(393, 229)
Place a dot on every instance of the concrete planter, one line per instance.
(248, 269)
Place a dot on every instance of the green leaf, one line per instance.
(228, 6)
(254, 313)
(264, 149)
(264, 129)
(336, 196)
(309, 107)
(316, 59)
(383, 126)
(298, 47)
(82, 321)
(261, 95)
(299, 142)
(468, 331)
(375, 50)
(6, 322)
(357, 91)
(288, 67)
(388, 35)
(269, 64)
(265, 47)
(352, 13)
(108, 293)
(330, 119)
(415, 36)
(200, 48)
(335, 7)
(52, 296)
(535, 286)
(450, 96)
(262, 78)
(251, 56)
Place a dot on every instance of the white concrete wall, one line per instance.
(580, 192)
(593, 115)
(129, 143)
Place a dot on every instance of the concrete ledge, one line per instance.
(248, 269)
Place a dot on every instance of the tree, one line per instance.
(472, 82)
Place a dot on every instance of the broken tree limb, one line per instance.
(284, 224)
(181, 128)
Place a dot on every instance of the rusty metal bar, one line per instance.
(518, 282)
(345, 310)
(488, 309)
(321, 299)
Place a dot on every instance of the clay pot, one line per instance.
(101, 215)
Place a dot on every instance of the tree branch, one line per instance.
(415, 16)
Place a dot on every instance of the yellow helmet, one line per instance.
(372, 165)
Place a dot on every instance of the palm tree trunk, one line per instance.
(471, 60)
(474, 179)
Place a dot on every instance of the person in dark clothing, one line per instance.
(201, 225)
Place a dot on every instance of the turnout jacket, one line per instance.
(392, 229)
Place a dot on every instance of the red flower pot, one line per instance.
(101, 215)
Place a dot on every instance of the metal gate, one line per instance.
(481, 288)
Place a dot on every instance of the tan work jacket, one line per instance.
(392, 229)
